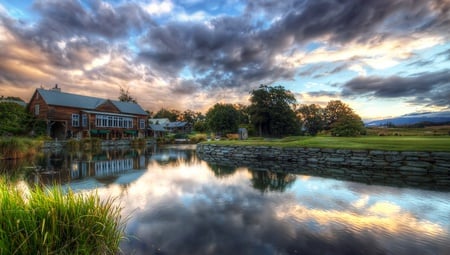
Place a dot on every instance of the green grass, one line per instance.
(395, 143)
(50, 221)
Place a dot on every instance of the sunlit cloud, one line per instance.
(156, 7)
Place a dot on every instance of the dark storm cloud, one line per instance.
(185, 87)
(433, 88)
(69, 36)
(331, 94)
(241, 50)
(98, 18)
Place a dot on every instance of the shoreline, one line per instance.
(411, 168)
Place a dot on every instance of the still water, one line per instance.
(178, 204)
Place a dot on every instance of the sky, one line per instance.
(382, 57)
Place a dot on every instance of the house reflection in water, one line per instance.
(64, 168)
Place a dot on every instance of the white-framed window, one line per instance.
(36, 109)
(142, 124)
(84, 120)
(113, 121)
(75, 120)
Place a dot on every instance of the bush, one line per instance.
(197, 138)
(39, 221)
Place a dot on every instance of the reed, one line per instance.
(50, 221)
(17, 147)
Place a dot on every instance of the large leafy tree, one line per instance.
(311, 118)
(271, 111)
(341, 120)
(223, 118)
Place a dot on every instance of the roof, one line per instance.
(176, 124)
(159, 121)
(54, 97)
(156, 127)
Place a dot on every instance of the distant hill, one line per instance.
(412, 119)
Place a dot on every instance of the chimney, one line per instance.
(56, 88)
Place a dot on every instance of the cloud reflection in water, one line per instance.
(185, 208)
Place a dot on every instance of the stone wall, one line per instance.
(409, 168)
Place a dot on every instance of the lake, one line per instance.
(176, 203)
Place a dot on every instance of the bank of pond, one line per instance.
(39, 216)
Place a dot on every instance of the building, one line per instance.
(158, 127)
(76, 116)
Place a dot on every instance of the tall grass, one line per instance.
(50, 221)
(15, 147)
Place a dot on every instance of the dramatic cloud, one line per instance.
(431, 87)
(219, 51)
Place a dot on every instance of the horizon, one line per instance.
(383, 58)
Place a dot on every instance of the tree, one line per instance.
(271, 111)
(222, 118)
(334, 110)
(311, 118)
(348, 125)
(125, 96)
(172, 115)
(341, 120)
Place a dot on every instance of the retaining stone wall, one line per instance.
(409, 168)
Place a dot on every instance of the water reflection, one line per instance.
(186, 206)
(179, 204)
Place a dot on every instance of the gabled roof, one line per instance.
(57, 98)
(160, 121)
(157, 127)
(176, 124)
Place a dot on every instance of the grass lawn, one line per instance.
(396, 143)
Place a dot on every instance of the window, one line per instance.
(142, 124)
(36, 109)
(75, 120)
(84, 120)
(114, 121)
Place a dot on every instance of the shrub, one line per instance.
(197, 138)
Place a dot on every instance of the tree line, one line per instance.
(273, 112)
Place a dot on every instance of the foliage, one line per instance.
(341, 120)
(172, 115)
(311, 118)
(348, 125)
(200, 126)
(222, 118)
(197, 138)
(190, 116)
(38, 221)
(271, 111)
(243, 114)
(14, 119)
(125, 96)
